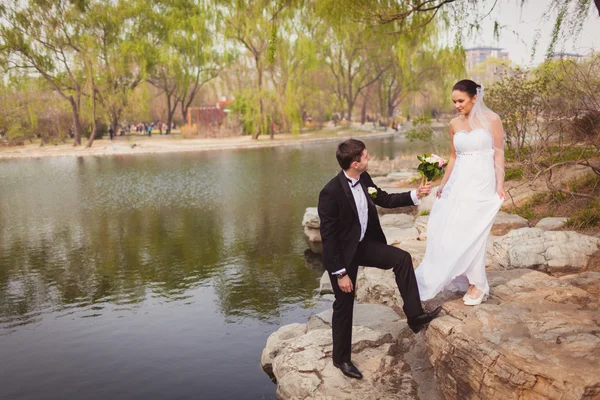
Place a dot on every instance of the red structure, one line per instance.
(209, 118)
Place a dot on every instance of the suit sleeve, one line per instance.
(329, 212)
(387, 200)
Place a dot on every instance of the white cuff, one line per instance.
(341, 271)
(414, 197)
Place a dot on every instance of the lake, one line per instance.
(157, 276)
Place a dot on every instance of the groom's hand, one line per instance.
(424, 189)
(345, 284)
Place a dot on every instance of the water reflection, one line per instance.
(178, 249)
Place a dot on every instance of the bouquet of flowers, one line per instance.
(432, 166)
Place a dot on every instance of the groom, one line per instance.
(352, 236)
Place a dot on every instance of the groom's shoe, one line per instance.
(348, 369)
(420, 321)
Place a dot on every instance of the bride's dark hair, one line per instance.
(467, 86)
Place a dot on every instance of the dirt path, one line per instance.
(173, 144)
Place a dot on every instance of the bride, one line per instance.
(468, 200)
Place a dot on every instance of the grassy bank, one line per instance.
(582, 210)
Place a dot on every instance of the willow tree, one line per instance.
(253, 26)
(43, 38)
(568, 15)
(417, 63)
(294, 70)
(117, 55)
(183, 57)
(356, 55)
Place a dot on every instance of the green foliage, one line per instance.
(420, 130)
(526, 209)
(586, 217)
(244, 107)
(513, 173)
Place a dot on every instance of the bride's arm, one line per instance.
(450, 165)
(498, 143)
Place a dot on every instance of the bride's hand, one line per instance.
(502, 193)
(439, 191)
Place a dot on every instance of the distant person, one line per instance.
(149, 130)
(111, 133)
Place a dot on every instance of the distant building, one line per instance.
(485, 64)
(209, 117)
(566, 56)
(478, 55)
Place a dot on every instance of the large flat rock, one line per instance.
(556, 252)
(504, 223)
(535, 338)
(299, 358)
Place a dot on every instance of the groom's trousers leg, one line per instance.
(341, 320)
(375, 254)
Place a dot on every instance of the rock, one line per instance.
(303, 367)
(416, 248)
(427, 202)
(313, 239)
(504, 223)
(551, 224)
(328, 297)
(325, 285)
(378, 286)
(421, 225)
(398, 235)
(588, 281)
(311, 218)
(396, 179)
(373, 316)
(556, 252)
(277, 341)
(491, 261)
(397, 221)
(535, 338)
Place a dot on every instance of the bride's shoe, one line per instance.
(466, 296)
(475, 301)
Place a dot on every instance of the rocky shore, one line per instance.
(536, 337)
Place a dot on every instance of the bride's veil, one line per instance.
(481, 117)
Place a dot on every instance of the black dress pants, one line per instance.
(370, 253)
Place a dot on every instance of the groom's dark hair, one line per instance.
(349, 151)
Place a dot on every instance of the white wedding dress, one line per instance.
(461, 219)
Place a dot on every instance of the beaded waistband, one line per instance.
(475, 152)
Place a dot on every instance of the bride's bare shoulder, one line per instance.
(455, 122)
(492, 116)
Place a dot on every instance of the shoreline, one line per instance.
(175, 144)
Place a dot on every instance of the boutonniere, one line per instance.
(372, 192)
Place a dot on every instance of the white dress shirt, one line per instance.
(362, 206)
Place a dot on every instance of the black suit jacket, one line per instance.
(340, 226)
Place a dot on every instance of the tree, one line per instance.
(185, 59)
(253, 26)
(416, 64)
(356, 58)
(570, 14)
(117, 55)
(43, 38)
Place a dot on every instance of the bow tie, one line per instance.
(352, 184)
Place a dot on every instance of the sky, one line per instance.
(519, 30)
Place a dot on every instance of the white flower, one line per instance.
(372, 192)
